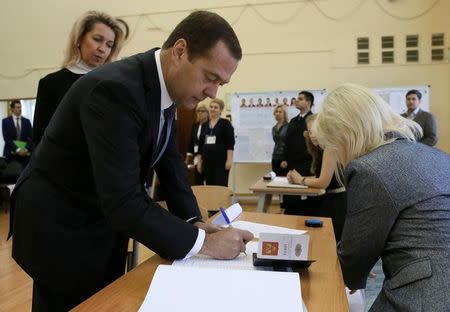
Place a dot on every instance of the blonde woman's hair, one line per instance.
(353, 121)
(220, 102)
(84, 25)
(201, 106)
(285, 114)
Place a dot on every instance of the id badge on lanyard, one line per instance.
(210, 139)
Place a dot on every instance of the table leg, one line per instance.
(264, 202)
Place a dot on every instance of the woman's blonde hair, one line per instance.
(220, 102)
(312, 149)
(84, 25)
(285, 115)
(353, 121)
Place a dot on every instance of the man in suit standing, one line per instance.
(83, 196)
(17, 128)
(425, 119)
(296, 156)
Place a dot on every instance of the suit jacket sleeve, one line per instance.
(370, 217)
(430, 135)
(27, 131)
(42, 111)
(112, 123)
(287, 140)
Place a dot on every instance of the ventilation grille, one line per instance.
(387, 42)
(412, 41)
(412, 56)
(437, 54)
(363, 57)
(387, 57)
(363, 43)
(437, 40)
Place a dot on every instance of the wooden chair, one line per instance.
(212, 197)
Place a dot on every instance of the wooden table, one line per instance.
(265, 193)
(322, 284)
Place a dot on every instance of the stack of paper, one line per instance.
(176, 288)
(283, 182)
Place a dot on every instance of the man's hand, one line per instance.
(22, 152)
(226, 244)
(283, 164)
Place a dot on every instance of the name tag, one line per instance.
(210, 139)
(195, 148)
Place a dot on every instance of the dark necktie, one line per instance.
(18, 130)
(165, 131)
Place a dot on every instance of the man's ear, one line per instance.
(179, 50)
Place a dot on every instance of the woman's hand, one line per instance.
(294, 177)
(228, 164)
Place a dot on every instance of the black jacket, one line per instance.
(82, 195)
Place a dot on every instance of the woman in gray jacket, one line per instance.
(398, 201)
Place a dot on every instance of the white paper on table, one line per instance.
(257, 228)
(283, 182)
(222, 290)
(233, 212)
(241, 262)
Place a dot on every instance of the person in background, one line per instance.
(323, 167)
(425, 119)
(194, 150)
(95, 39)
(83, 190)
(17, 128)
(279, 137)
(398, 200)
(296, 155)
(218, 146)
(243, 104)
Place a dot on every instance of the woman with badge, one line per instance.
(194, 149)
(218, 145)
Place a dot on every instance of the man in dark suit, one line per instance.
(82, 196)
(425, 119)
(17, 128)
(296, 157)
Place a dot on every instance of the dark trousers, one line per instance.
(295, 205)
(216, 174)
(48, 300)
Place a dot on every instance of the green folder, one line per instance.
(20, 144)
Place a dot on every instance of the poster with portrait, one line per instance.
(253, 119)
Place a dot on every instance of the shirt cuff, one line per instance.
(198, 244)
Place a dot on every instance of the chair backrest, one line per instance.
(212, 197)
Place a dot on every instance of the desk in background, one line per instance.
(265, 193)
(322, 284)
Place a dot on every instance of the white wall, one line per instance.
(307, 51)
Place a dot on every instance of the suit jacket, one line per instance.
(83, 190)
(295, 152)
(398, 207)
(10, 135)
(51, 90)
(428, 123)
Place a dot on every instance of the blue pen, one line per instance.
(224, 214)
